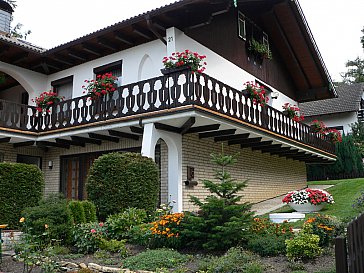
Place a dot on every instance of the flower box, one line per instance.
(168, 71)
(192, 60)
(306, 207)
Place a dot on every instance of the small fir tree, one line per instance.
(223, 220)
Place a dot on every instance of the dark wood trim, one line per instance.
(23, 144)
(108, 67)
(279, 150)
(168, 128)
(104, 137)
(107, 44)
(188, 125)
(142, 32)
(86, 140)
(123, 135)
(244, 141)
(231, 137)
(217, 133)
(62, 81)
(136, 130)
(262, 144)
(5, 140)
(91, 49)
(52, 144)
(122, 38)
(289, 152)
(203, 128)
(70, 142)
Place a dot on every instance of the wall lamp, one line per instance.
(190, 182)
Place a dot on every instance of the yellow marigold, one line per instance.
(310, 220)
(22, 220)
(168, 229)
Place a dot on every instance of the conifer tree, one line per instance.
(223, 220)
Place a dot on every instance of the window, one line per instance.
(28, 159)
(115, 68)
(63, 87)
(241, 25)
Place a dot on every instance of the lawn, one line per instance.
(344, 192)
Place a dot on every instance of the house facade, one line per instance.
(341, 112)
(177, 119)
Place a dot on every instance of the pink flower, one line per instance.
(93, 230)
(101, 224)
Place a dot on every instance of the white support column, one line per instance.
(174, 143)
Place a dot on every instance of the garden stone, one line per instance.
(110, 269)
(95, 266)
(82, 265)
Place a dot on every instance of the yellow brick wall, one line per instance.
(268, 176)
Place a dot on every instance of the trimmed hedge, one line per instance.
(117, 181)
(90, 211)
(82, 211)
(21, 186)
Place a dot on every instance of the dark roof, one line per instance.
(348, 100)
(284, 21)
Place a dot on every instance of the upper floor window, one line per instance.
(114, 68)
(241, 25)
(63, 87)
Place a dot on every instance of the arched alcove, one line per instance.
(12, 90)
(146, 68)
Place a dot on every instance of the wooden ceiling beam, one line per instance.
(77, 55)
(90, 49)
(86, 140)
(188, 125)
(243, 141)
(231, 137)
(107, 44)
(19, 58)
(217, 133)
(61, 59)
(5, 140)
(168, 128)
(279, 150)
(52, 144)
(289, 152)
(262, 144)
(123, 135)
(23, 144)
(203, 128)
(122, 38)
(137, 130)
(247, 143)
(104, 137)
(142, 32)
(70, 142)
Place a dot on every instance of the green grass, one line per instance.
(344, 192)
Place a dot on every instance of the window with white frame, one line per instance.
(115, 68)
(241, 25)
(63, 87)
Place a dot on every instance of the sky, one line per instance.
(335, 24)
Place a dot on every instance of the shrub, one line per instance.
(303, 246)
(77, 212)
(118, 181)
(118, 225)
(267, 245)
(223, 220)
(234, 260)
(90, 211)
(325, 226)
(141, 234)
(21, 186)
(156, 258)
(53, 212)
(113, 246)
(87, 237)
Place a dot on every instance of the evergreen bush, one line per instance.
(223, 221)
(21, 186)
(117, 181)
(90, 211)
(77, 212)
(53, 214)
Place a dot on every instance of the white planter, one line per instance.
(289, 217)
(307, 207)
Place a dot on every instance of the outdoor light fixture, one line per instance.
(50, 164)
(190, 176)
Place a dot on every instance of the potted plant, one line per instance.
(103, 84)
(184, 60)
(293, 112)
(317, 126)
(256, 92)
(259, 50)
(308, 200)
(45, 100)
(334, 135)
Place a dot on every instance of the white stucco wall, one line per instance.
(340, 119)
(12, 94)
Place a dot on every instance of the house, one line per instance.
(180, 119)
(340, 112)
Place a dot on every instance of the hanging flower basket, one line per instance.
(46, 100)
(180, 61)
(293, 112)
(256, 93)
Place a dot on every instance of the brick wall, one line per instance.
(268, 176)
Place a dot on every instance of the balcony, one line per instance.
(177, 92)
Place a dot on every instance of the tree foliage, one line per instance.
(357, 129)
(348, 164)
(223, 220)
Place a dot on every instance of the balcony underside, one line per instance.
(182, 103)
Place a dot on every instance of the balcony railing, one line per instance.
(161, 93)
